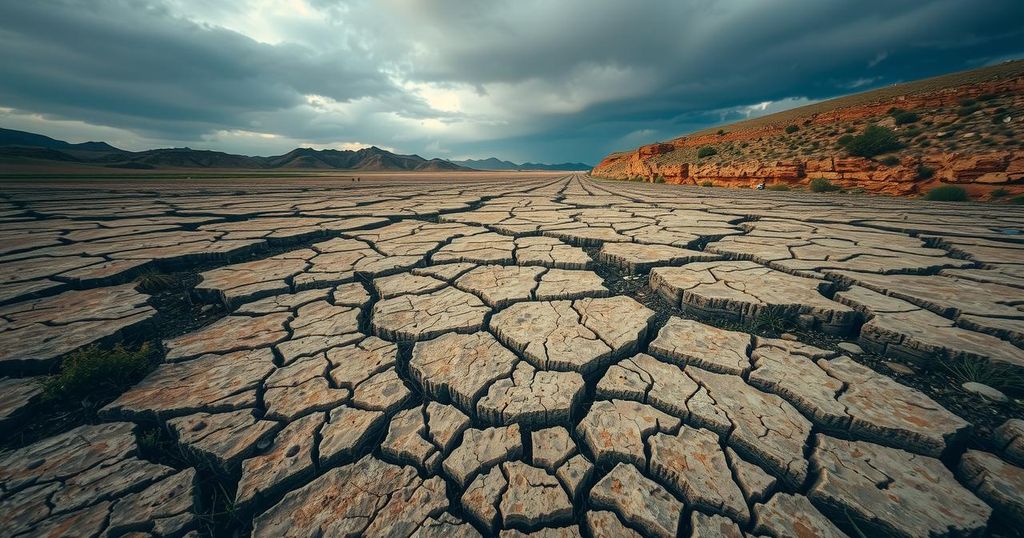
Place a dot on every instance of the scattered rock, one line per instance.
(985, 391)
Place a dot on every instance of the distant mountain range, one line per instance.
(20, 146)
(23, 147)
(493, 163)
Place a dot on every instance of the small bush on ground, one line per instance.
(844, 140)
(659, 178)
(1000, 376)
(947, 193)
(706, 151)
(891, 160)
(790, 129)
(875, 140)
(925, 172)
(1017, 200)
(999, 193)
(778, 187)
(774, 319)
(904, 117)
(721, 132)
(820, 184)
(92, 373)
(967, 110)
(707, 183)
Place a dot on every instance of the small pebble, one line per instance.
(984, 391)
(898, 368)
(850, 347)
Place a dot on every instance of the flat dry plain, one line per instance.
(513, 354)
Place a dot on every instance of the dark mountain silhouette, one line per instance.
(19, 146)
(493, 163)
(10, 137)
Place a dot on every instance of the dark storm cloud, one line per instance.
(540, 80)
(135, 65)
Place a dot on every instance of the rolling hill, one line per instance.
(493, 163)
(30, 148)
(964, 129)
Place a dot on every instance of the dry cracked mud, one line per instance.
(544, 356)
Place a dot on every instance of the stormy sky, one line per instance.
(524, 80)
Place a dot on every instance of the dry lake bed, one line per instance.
(517, 354)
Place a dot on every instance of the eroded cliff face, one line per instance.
(970, 135)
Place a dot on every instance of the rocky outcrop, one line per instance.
(954, 138)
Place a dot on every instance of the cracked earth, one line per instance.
(543, 355)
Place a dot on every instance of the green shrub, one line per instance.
(875, 140)
(659, 178)
(999, 193)
(997, 375)
(1017, 200)
(844, 140)
(790, 129)
(706, 151)
(947, 193)
(721, 132)
(967, 110)
(820, 184)
(707, 183)
(778, 187)
(92, 372)
(925, 172)
(904, 117)
(774, 319)
(891, 160)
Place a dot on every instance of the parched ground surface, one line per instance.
(525, 355)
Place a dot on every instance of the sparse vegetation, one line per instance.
(925, 172)
(999, 193)
(774, 319)
(891, 160)
(790, 129)
(1017, 200)
(707, 183)
(967, 110)
(706, 151)
(903, 117)
(820, 184)
(152, 282)
(721, 132)
(659, 178)
(999, 375)
(844, 140)
(92, 373)
(947, 193)
(875, 140)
